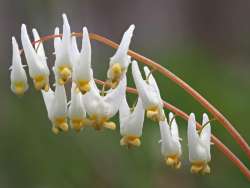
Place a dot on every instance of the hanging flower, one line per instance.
(82, 73)
(36, 60)
(131, 123)
(18, 76)
(148, 92)
(102, 108)
(56, 105)
(64, 52)
(170, 142)
(120, 61)
(199, 145)
(76, 112)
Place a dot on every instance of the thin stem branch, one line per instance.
(223, 148)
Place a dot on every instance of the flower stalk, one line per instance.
(197, 96)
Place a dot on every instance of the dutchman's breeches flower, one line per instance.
(76, 112)
(149, 93)
(93, 107)
(170, 142)
(36, 60)
(64, 52)
(101, 108)
(119, 63)
(18, 76)
(131, 123)
(199, 145)
(82, 72)
(56, 104)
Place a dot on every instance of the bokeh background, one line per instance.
(206, 43)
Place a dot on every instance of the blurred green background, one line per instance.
(206, 43)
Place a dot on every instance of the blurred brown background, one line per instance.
(207, 43)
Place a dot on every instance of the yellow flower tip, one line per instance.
(200, 168)
(46, 87)
(173, 161)
(55, 130)
(109, 125)
(65, 74)
(61, 124)
(77, 124)
(116, 71)
(19, 88)
(83, 86)
(40, 82)
(130, 141)
(154, 114)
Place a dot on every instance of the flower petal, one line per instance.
(115, 97)
(18, 74)
(131, 123)
(174, 127)
(48, 97)
(39, 45)
(121, 56)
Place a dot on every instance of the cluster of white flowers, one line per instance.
(91, 107)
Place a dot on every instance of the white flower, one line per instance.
(199, 145)
(64, 53)
(170, 142)
(76, 112)
(131, 123)
(82, 72)
(18, 76)
(120, 61)
(148, 92)
(102, 108)
(36, 60)
(56, 104)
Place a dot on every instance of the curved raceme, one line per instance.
(90, 106)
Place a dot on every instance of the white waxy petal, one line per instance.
(170, 146)
(174, 127)
(48, 98)
(147, 92)
(121, 56)
(115, 96)
(131, 123)
(83, 61)
(59, 107)
(205, 136)
(76, 108)
(64, 54)
(18, 76)
(35, 62)
(57, 41)
(198, 149)
(151, 80)
(104, 106)
(75, 49)
(39, 45)
(63, 47)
